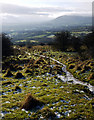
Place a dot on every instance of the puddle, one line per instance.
(20, 85)
(37, 93)
(7, 102)
(8, 91)
(58, 115)
(67, 113)
(25, 110)
(4, 93)
(17, 91)
(33, 87)
(64, 101)
(61, 87)
(86, 97)
(12, 85)
(73, 105)
(14, 108)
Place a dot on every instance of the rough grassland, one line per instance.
(28, 79)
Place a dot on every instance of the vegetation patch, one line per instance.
(42, 95)
(30, 102)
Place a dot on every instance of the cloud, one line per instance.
(17, 13)
(21, 10)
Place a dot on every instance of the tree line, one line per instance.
(64, 41)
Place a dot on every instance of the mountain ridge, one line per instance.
(57, 23)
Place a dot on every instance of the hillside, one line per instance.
(62, 22)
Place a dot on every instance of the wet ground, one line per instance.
(64, 96)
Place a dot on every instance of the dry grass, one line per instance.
(30, 102)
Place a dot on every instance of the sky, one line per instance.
(32, 11)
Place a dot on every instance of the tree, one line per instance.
(89, 42)
(62, 40)
(76, 43)
(7, 49)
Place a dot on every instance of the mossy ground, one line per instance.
(61, 99)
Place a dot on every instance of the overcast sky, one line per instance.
(42, 10)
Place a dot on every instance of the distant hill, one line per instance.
(60, 22)
(66, 22)
(72, 21)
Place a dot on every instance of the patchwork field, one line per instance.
(36, 86)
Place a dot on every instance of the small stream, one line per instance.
(69, 77)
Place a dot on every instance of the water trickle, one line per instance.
(7, 102)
